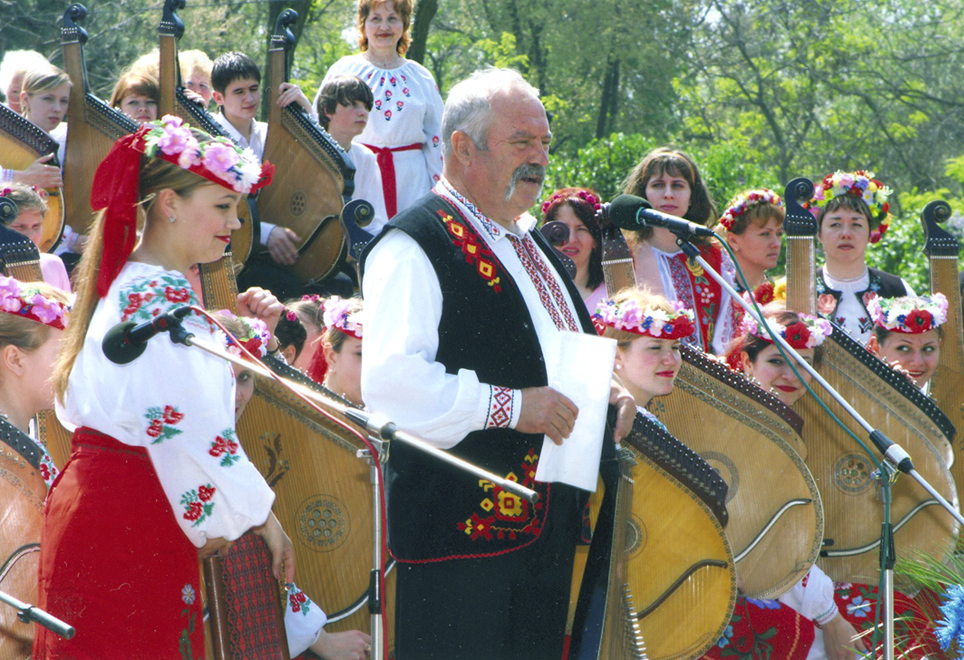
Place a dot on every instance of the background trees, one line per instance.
(760, 92)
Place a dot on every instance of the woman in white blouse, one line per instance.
(405, 126)
(157, 475)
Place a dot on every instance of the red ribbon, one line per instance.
(386, 164)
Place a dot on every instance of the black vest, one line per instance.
(437, 512)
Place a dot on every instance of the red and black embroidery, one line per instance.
(476, 252)
(505, 515)
(500, 408)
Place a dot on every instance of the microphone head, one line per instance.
(118, 347)
(624, 209)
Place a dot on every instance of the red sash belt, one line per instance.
(386, 164)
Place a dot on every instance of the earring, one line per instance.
(172, 219)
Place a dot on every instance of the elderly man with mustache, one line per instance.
(461, 294)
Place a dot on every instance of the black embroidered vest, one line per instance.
(883, 284)
(437, 512)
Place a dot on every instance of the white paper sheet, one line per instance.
(580, 366)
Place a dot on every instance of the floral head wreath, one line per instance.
(338, 314)
(655, 323)
(255, 338)
(860, 184)
(577, 195)
(117, 180)
(25, 300)
(808, 332)
(746, 201)
(910, 315)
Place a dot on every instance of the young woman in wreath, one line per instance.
(149, 487)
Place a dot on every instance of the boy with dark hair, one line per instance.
(343, 104)
(236, 80)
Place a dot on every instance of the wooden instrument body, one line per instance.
(314, 176)
(21, 143)
(94, 126)
(679, 565)
(776, 516)
(174, 102)
(324, 497)
(22, 494)
(754, 442)
(894, 406)
(947, 383)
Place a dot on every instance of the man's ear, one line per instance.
(463, 147)
(218, 97)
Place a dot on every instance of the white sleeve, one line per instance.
(432, 129)
(266, 229)
(812, 597)
(178, 403)
(304, 620)
(400, 378)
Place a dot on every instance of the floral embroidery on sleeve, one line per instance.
(197, 504)
(225, 446)
(298, 601)
(144, 298)
(162, 423)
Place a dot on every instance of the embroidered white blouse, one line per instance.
(407, 110)
(175, 401)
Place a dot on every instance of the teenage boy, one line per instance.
(236, 80)
(343, 105)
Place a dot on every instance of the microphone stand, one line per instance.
(381, 430)
(899, 459)
(29, 613)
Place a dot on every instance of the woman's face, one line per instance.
(580, 245)
(46, 109)
(844, 234)
(916, 354)
(773, 373)
(344, 369)
(30, 224)
(669, 193)
(759, 246)
(39, 365)
(139, 108)
(648, 367)
(204, 221)
(383, 27)
(200, 84)
(243, 389)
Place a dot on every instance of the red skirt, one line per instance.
(114, 563)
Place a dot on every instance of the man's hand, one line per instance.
(39, 174)
(620, 397)
(283, 245)
(546, 411)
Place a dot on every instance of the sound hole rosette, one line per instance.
(323, 522)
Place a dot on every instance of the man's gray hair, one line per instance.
(469, 104)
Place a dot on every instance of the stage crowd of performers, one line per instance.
(465, 301)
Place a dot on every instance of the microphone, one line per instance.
(632, 212)
(126, 342)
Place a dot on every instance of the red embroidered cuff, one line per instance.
(502, 408)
